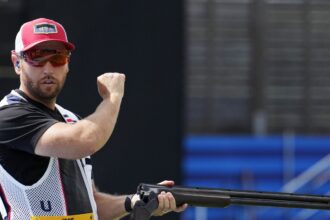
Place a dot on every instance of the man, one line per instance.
(45, 167)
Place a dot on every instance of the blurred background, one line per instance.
(219, 93)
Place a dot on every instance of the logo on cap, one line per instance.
(45, 28)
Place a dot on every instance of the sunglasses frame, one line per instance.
(42, 60)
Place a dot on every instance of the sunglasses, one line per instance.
(39, 57)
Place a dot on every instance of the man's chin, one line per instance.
(48, 95)
(50, 92)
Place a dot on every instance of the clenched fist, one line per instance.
(111, 85)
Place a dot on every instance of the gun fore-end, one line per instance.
(185, 195)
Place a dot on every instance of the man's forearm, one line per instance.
(83, 138)
(110, 207)
(98, 127)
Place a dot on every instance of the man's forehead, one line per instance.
(50, 45)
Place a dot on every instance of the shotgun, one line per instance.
(221, 198)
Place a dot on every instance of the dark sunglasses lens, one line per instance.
(39, 58)
(59, 60)
(36, 62)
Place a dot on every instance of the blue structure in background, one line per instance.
(255, 163)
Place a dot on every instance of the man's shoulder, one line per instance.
(15, 109)
(14, 105)
(12, 99)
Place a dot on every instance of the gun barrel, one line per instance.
(209, 197)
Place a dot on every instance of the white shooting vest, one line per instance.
(32, 202)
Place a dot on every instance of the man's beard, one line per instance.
(37, 92)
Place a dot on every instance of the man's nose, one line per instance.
(48, 67)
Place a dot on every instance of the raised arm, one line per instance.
(88, 135)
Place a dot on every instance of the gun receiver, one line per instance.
(208, 197)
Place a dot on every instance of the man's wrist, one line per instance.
(128, 204)
(130, 201)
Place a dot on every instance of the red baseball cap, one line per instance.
(40, 30)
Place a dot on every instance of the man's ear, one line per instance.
(16, 63)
